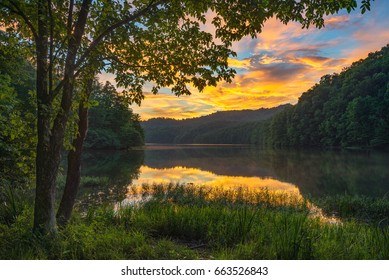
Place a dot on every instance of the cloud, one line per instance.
(278, 72)
(337, 22)
(281, 63)
(236, 63)
(168, 105)
(106, 77)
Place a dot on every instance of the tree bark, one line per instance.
(44, 218)
(50, 140)
(74, 163)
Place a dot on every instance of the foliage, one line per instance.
(113, 125)
(347, 109)
(17, 117)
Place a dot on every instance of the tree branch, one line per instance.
(74, 41)
(19, 12)
(58, 49)
(51, 48)
(70, 18)
(99, 38)
(111, 28)
(143, 66)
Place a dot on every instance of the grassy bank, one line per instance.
(179, 222)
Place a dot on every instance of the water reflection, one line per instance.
(311, 173)
(199, 177)
(315, 173)
(106, 175)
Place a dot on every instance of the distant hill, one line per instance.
(217, 128)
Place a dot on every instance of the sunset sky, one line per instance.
(280, 64)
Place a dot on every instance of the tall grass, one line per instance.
(364, 209)
(244, 224)
(189, 222)
(12, 203)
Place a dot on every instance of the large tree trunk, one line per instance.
(74, 163)
(44, 218)
(50, 140)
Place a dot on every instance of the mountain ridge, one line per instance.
(196, 130)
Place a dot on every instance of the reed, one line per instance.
(190, 222)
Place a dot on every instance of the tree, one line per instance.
(140, 41)
(113, 125)
(17, 130)
(361, 118)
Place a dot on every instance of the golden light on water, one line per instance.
(275, 191)
(200, 177)
(254, 189)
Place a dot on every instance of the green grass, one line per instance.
(181, 222)
(364, 209)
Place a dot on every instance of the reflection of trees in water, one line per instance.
(220, 160)
(320, 173)
(315, 172)
(107, 174)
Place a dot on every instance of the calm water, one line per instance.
(312, 173)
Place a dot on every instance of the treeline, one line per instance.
(230, 127)
(350, 109)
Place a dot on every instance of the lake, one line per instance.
(108, 175)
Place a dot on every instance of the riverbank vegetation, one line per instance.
(192, 222)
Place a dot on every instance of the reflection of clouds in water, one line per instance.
(199, 177)
(285, 193)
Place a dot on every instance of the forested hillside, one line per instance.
(230, 127)
(348, 109)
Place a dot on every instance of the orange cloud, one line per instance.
(369, 42)
(236, 63)
(336, 22)
(280, 64)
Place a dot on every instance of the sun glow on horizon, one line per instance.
(279, 65)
